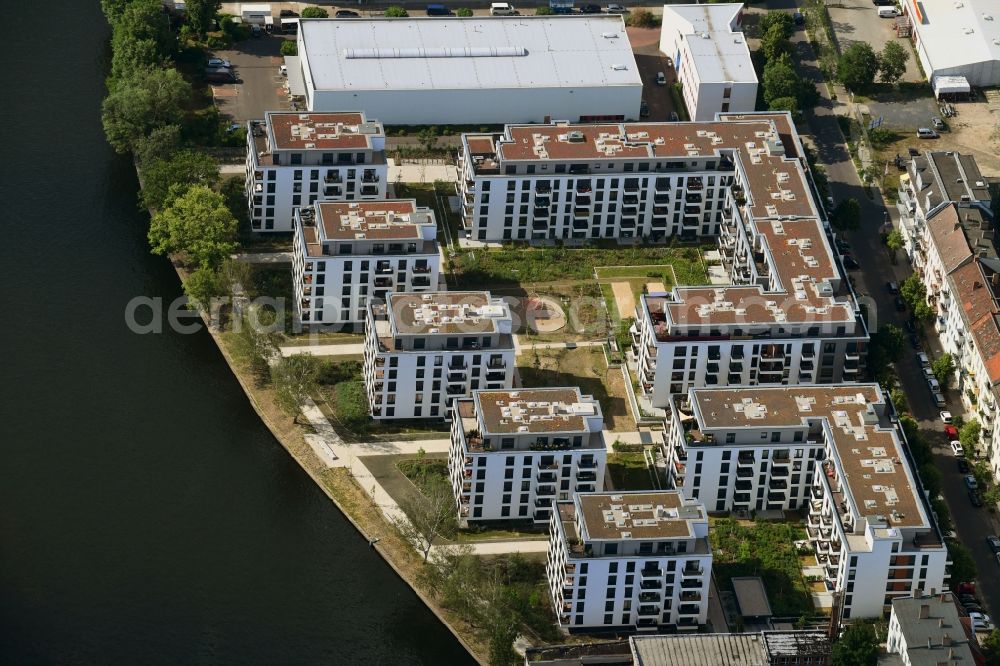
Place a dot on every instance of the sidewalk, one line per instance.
(352, 349)
(520, 347)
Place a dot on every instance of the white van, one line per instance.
(887, 12)
(502, 9)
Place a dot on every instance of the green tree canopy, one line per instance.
(144, 20)
(857, 646)
(914, 294)
(894, 241)
(315, 12)
(289, 48)
(943, 368)
(142, 101)
(197, 224)
(395, 11)
(991, 648)
(857, 67)
(160, 144)
(463, 11)
(187, 167)
(780, 79)
(969, 433)
(846, 215)
(201, 14)
(782, 21)
(892, 62)
(774, 43)
(963, 568)
(886, 346)
(294, 378)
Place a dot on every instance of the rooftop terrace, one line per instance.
(643, 515)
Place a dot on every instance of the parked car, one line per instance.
(938, 398)
(887, 12)
(219, 62)
(981, 621)
(590, 9)
(970, 482)
(616, 9)
(975, 499)
(963, 466)
(926, 133)
(643, 109)
(850, 263)
(951, 432)
(287, 13)
(923, 359)
(928, 374)
(972, 608)
(220, 75)
(438, 10)
(946, 417)
(956, 448)
(346, 13)
(993, 541)
(256, 31)
(843, 245)
(799, 18)
(674, 117)
(881, 3)
(502, 9)
(938, 123)
(968, 599)
(892, 287)
(661, 79)
(900, 304)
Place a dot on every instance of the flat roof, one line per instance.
(457, 53)
(751, 596)
(937, 638)
(398, 219)
(875, 471)
(943, 24)
(445, 313)
(321, 131)
(541, 410)
(720, 53)
(699, 650)
(642, 515)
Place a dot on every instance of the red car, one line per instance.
(951, 431)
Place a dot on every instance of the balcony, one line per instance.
(650, 584)
(689, 583)
(689, 609)
(649, 610)
(649, 597)
(546, 477)
(647, 574)
(692, 570)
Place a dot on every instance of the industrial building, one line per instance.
(455, 70)
(711, 58)
(957, 39)
(295, 159)
(514, 453)
(629, 560)
(348, 253)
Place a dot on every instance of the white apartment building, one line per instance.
(424, 350)
(720, 451)
(949, 229)
(629, 560)
(346, 253)
(465, 70)
(928, 630)
(295, 159)
(711, 57)
(514, 453)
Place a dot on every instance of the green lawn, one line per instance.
(648, 273)
(628, 471)
(764, 549)
(513, 265)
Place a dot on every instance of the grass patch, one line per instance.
(649, 272)
(424, 471)
(426, 194)
(764, 549)
(628, 471)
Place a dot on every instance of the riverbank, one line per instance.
(340, 486)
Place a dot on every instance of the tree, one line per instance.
(846, 215)
(969, 433)
(857, 67)
(943, 367)
(289, 48)
(113, 10)
(129, 54)
(885, 347)
(774, 43)
(857, 646)
(201, 13)
(543, 11)
(395, 11)
(894, 241)
(144, 20)
(166, 178)
(641, 18)
(294, 378)
(780, 79)
(892, 62)
(463, 11)
(784, 104)
(991, 648)
(201, 286)
(140, 102)
(315, 12)
(254, 340)
(429, 517)
(197, 224)
(777, 19)
(963, 568)
(160, 144)
(914, 294)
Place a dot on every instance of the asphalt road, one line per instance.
(971, 524)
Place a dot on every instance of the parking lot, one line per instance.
(858, 21)
(261, 87)
(646, 47)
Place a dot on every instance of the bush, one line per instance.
(395, 11)
(289, 48)
(463, 11)
(351, 404)
(315, 12)
(544, 11)
(642, 18)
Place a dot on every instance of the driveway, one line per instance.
(858, 21)
(261, 88)
(646, 48)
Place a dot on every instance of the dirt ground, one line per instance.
(976, 130)
(624, 298)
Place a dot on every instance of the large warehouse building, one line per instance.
(470, 70)
(957, 38)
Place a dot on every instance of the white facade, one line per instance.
(940, 25)
(296, 159)
(630, 560)
(927, 630)
(423, 351)
(711, 58)
(471, 70)
(348, 253)
(514, 453)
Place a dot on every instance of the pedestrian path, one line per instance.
(521, 346)
(264, 257)
(351, 349)
(325, 442)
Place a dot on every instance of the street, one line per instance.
(971, 524)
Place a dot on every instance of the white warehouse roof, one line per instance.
(959, 34)
(713, 35)
(467, 53)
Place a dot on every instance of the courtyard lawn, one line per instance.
(628, 471)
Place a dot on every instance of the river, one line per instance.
(146, 514)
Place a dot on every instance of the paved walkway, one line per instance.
(351, 349)
(326, 443)
(520, 347)
(264, 257)
(232, 169)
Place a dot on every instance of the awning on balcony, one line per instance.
(296, 84)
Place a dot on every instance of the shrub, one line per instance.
(463, 11)
(642, 18)
(544, 11)
(395, 11)
(315, 12)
